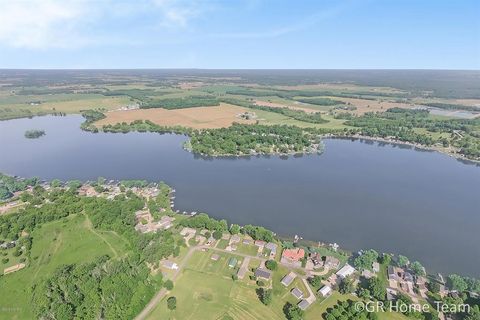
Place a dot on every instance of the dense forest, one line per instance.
(181, 103)
(90, 117)
(254, 139)
(403, 124)
(103, 289)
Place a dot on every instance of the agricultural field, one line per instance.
(71, 240)
(197, 117)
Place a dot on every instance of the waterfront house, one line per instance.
(346, 271)
(325, 291)
(263, 274)
(260, 243)
(293, 256)
(288, 279)
(331, 263)
(297, 293)
(273, 249)
(392, 275)
(234, 239)
(187, 231)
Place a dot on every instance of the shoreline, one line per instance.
(316, 149)
(456, 156)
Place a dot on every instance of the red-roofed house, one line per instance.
(292, 256)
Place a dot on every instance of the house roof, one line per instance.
(262, 273)
(345, 271)
(260, 243)
(271, 246)
(297, 293)
(303, 304)
(232, 262)
(294, 254)
(325, 290)
(287, 280)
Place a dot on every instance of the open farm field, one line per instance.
(198, 117)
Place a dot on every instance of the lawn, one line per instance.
(207, 296)
(71, 240)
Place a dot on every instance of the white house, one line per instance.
(346, 271)
(325, 291)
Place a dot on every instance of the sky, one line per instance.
(240, 34)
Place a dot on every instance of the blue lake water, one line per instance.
(359, 194)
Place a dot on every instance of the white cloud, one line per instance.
(40, 23)
(177, 12)
(43, 24)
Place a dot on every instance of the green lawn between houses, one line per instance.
(67, 241)
(205, 290)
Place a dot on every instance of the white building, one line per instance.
(325, 291)
(346, 271)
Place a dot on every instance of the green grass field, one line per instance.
(62, 242)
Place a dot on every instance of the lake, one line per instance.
(359, 194)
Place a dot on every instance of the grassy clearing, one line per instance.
(62, 242)
(207, 296)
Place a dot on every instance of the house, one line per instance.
(325, 291)
(331, 263)
(273, 249)
(170, 265)
(210, 241)
(346, 271)
(317, 260)
(165, 222)
(187, 231)
(304, 304)
(234, 239)
(392, 275)
(376, 267)
(247, 241)
(288, 279)
(297, 293)
(232, 262)
(262, 273)
(260, 243)
(421, 283)
(408, 277)
(367, 274)
(215, 257)
(292, 256)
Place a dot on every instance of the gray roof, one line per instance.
(271, 246)
(262, 273)
(297, 293)
(288, 279)
(303, 304)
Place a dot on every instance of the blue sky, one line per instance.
(416, 34)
